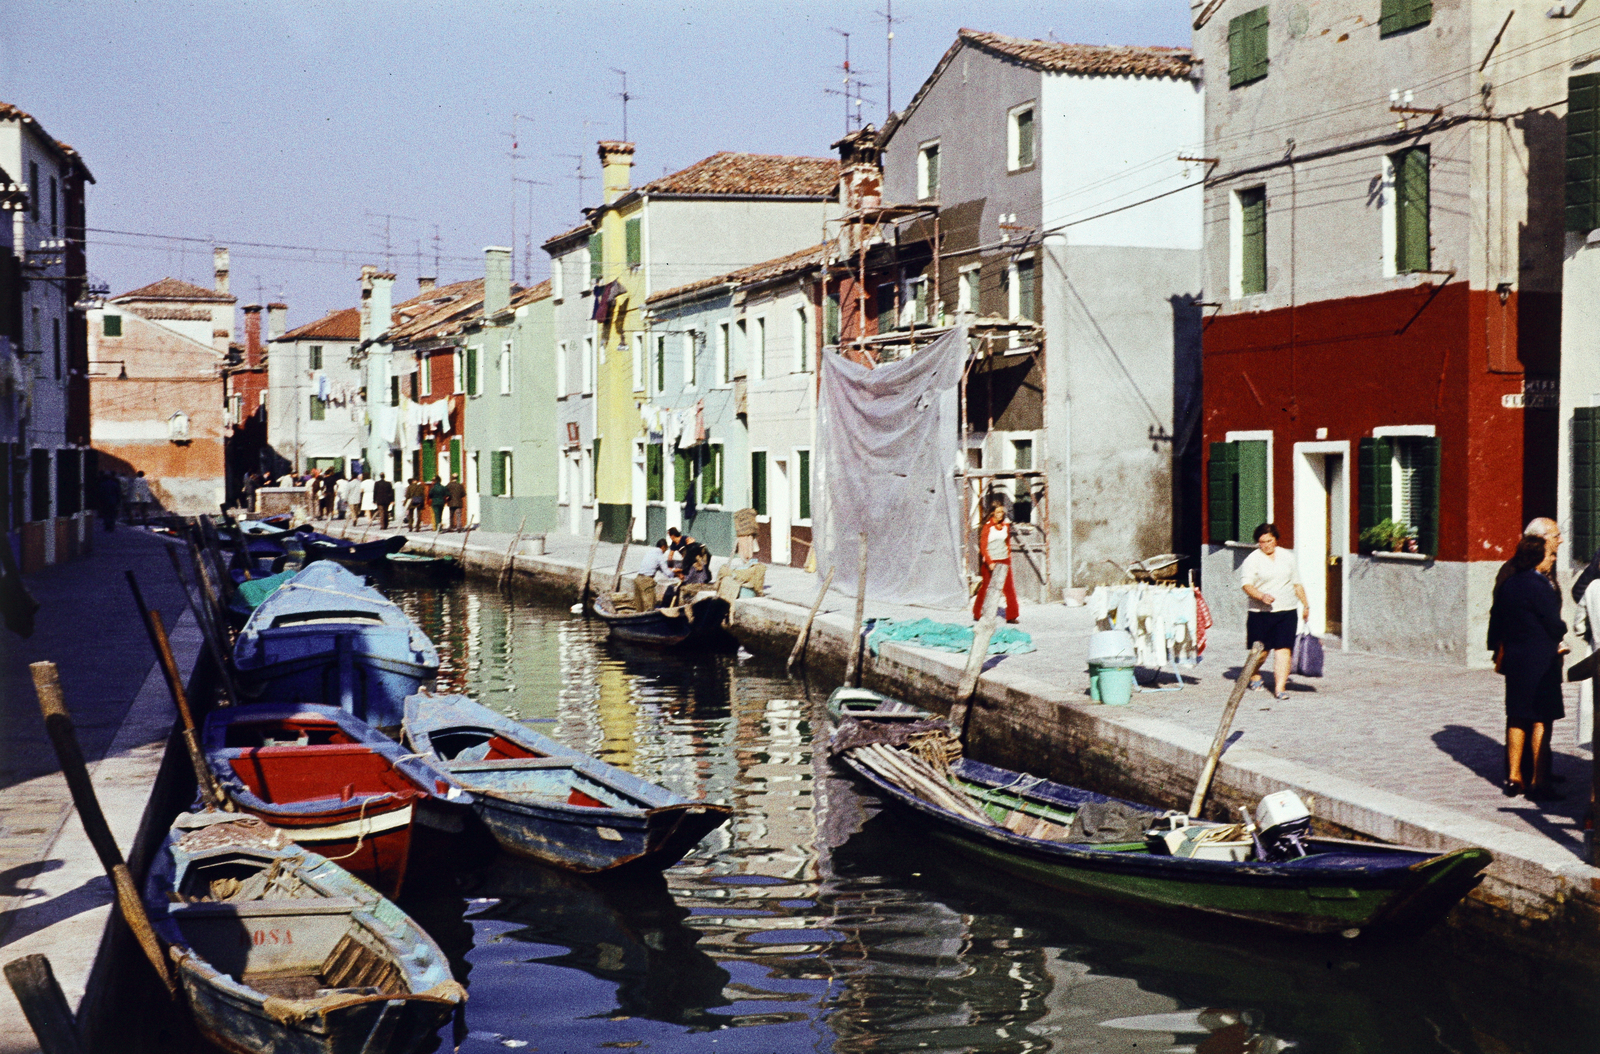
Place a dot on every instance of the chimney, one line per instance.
(277, 320)
(380, 305)
(367, 271)
(252, 335)
(425, 283)
(615, 160)
(860, 169)
(496, 280)
(219, 261)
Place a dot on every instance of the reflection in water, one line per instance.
(810, 922)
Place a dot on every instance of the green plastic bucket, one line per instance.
(1111, 685)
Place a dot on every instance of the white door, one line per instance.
(778, 504)
(639, 493)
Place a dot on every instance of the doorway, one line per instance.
(778, 502)
(1322, 530)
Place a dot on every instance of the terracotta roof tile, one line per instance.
(1093, 59)
(175, 289)
(344, 324)
(765, 271)
(727, 172)
(582, 228)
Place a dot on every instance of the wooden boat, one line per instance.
(321, 546)
(279, 949)
(326, 637)
(1340, 887)
(334, 785)
(542, 799)
(700, 624)
(865, 704)
(418, 567)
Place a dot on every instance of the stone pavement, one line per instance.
(1419, 731)
(54, 897)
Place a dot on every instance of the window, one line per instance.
(635, 241)
(758, 350)
(724, 353)
(654, 472)
(661, 365)
(596, 258)
(1399, 481)
(803, 482)
(967, 289)
(1019, 290)
(558, 275)
(887, 313)
(928, 170)
(1238, 489)
(918, 300)
(682, 474)
(689, 346)
(394, 390)
(802, 341)
(712, 476)
(1020, 137)
(1247, 47)
(758, 482)
(739, 364)
(33, 200)
(1250, 227)
(1410, 171)
(319, 409)
(640, 375)
(458, 371)
(562, 351)
(830, 320)
(316, 356)
(500, 473)
(425, 373)
(111, 325)
(471, 364)
(1398, 15)
(1022, 455)
(1586, 479)
(588, 365)
(505, 367)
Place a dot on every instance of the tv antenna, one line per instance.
(388, 219)
(625, 97)
(527, 241)
(849, 79)
(888, 78)
(578, 175)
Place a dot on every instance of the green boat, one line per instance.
(1338, 887)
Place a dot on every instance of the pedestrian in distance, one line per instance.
(329, 493)
(140, 498)
(383, 499)
(437, 496)
(1526, 623)
(994, 549)
(1271, 579)
(456, 498)
(247, 491)
(416, 496)
(108, 495)
(350, 499)
(369, 503)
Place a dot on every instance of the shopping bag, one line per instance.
(1307, 654)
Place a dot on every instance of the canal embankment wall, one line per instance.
(1538, 894)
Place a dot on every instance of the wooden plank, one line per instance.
(622, 558)
(44, 1005)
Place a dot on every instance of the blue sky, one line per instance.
(304, 124)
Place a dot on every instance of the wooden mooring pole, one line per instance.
(798, 654)
(1258, 654)
(511, 555)
(627, 539)
(982, 634)
(588, 571)
(44, 1005)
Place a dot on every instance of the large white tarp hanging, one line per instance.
(888, 440)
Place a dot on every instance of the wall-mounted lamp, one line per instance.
(1504, 290)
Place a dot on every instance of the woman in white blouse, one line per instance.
(1271, 580)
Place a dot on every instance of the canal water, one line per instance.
(813, 922)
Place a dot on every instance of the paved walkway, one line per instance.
(1431, 733)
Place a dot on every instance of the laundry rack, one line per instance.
(1168, 624)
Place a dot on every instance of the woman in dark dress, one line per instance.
(1526, 618)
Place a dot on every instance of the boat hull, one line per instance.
(576, 839)
(368, 673)
(703, 627)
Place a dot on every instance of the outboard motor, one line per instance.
(1283, 823)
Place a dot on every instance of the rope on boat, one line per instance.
(911, 773)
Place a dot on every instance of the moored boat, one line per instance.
(699, 624)
(420, 567)
(866, 704)
(334, 785)
(544, 800)
(1029, 827)
(279, 949)
(321, 546)
(326, 637)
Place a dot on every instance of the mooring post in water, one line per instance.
(511, 554)
(627, 539)
(588, 571)
(852, 671)
(805, 631)
(1258, 654)
(982, 634)
(63, 736)
(44, 1005)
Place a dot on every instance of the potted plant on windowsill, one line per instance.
(1390, 536)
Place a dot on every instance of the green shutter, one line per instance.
(1025, 289)
(1398, 15)
(1583, 153)
(497, 473)
(661, 364)
(1411, 204)
(758, 482)
(1223, 485)
(805, 484)
(430, 460)
(1585, 481)
(1425, 494)
(394, 391)
(1253, 474)
(596, 258)
(1375, 485)
(1025, 138)
(594, 472)
(112, 325)
(933, 170)
(472, 371)
(1247, 47)
(1253, 241)
(683, 475)
(319, 409)
(713, 475)
(653, 472)
(830, 320)
(886, 308)
(635, 242)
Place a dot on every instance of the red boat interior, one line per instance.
(477, 744)
(296, 732)
(293, 773)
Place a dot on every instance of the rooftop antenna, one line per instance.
(846, 81)
(888, 78)
(624, 96)
(527, 242)
(388, 219)
(578, 175)
(515, 157)
(436, 251)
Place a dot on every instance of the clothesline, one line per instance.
(1168, 623)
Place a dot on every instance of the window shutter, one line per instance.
(1253, 472)
(1585, 480)
(1247, 47)
(713, 474)
(1024, 138)
(1025, 289)
(933, 171)
(430, 460)
(112, 325)
(596, 258)
(318, 409)
(758, 482)
(830, 332)
(1375, 485)
(683, 475)
(1397, 15)
(1411, 201)
(805, 484)
(472, 371)
(1425, 494)
(653, 472)
(886, 308)
(394, 391)
(635, 242)
(1583, 145)
(497, 473)
(1253, 240)
(1223, 482)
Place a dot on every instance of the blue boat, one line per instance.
(321, 546)
(326, 637)
(542, 799)
(281, 950)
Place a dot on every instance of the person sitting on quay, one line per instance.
(654, 571)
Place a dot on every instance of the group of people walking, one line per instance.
(333, 496)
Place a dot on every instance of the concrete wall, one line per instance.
(570, 325)
(687, 239)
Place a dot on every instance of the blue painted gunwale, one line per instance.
(651, 827)
(305, 623)
(233, 1015)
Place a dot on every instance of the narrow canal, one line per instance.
(813, 923)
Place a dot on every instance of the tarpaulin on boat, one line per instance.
(889, 441)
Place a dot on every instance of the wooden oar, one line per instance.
(594, 546)
(627, 539)
(511, 554)
(202, 619)
(805, 631)
(1257, 655)
(852, 670)
(63, 736)
(204, 777)
(44, 1005)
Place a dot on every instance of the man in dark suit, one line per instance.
(383, 498)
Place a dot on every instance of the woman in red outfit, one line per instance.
(994, 547)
